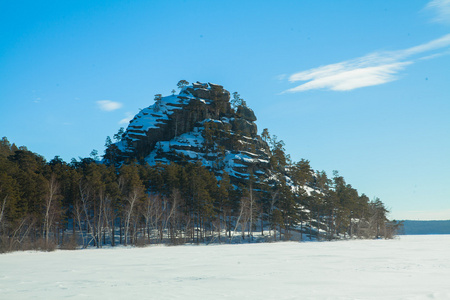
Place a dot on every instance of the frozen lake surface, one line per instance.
(409, 267)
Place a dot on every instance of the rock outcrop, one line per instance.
(198, 124)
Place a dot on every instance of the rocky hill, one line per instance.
(197, 125)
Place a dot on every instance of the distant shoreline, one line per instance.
(411, 227)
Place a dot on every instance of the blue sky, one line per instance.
(356, 86)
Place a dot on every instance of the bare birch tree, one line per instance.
(51, 207)
(132, 198)
(2, 212)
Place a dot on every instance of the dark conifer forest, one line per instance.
(86, 203)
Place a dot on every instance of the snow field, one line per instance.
(410, 267)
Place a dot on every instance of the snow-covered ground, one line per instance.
(410, 267)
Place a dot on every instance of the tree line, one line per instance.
(84, 203)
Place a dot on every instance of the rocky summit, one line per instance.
(197, 125)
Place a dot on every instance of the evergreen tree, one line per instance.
(377, 217)
(222, 204)
(182, 83)
(118, 136)
(237, 101)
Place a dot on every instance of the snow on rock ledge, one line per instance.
(198, 124)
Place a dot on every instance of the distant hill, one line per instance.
(426, 227)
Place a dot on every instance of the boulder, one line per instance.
(244, 127)
(246, 113)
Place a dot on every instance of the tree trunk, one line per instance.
(120, 230)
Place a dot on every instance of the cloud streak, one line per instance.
(127, 119)
(441, 9)
(108, 105)
(373, 69)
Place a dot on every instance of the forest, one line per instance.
(87, 203)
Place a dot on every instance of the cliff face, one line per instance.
(198, 124)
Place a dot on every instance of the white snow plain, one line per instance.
(409, 267)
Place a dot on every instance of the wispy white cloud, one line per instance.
(108, 105)
(441, 8)
(436, 44)
(281, 76)
(435, 55)
(346, 76)
(126, 120)
(373, 69)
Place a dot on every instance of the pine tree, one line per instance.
(119, 135)
(237, 101)
(182, 83)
